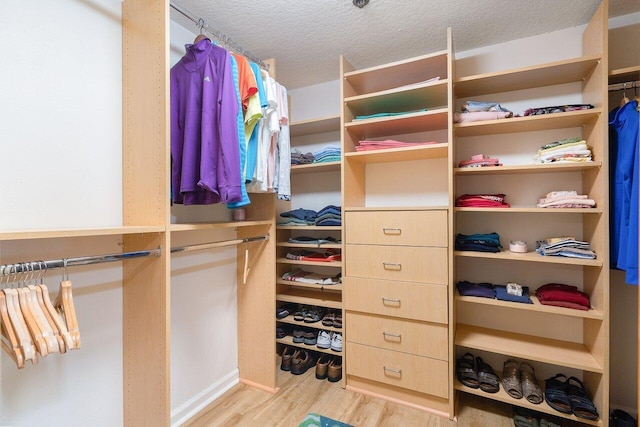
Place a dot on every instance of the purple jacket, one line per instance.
(205, 162)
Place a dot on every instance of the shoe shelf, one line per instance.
(316, 167)
(503, 396)
(289, 341)
(309, 245)
(403, 154)
(536, 306)
(552, 73)
(545, 350)
(311, 297)
(531, 256)
(309, 227)
(317, 287)
(317, 263)
(316, 325)
(595, 210)
(528, 169)
(393, 125)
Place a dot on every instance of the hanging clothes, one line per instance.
(624, 169)
(204, 139)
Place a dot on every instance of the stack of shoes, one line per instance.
(620, 418)
(519, 380)
(301, 361)
(305, 336)
(475, 373)
(569, 396)
(523, 417)
(329, 367)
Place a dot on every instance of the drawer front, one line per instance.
(405, 263)
(407, 336)
(418, 301)
(417, 373)
(411, 228)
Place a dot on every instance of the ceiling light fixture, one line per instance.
(360, 3)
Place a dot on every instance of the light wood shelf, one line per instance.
(581, 211)
(536, 307)
(568, 119)
(399, 73)
(316, 325)
(337, 287)
(406, 98)
(421, 121)
(531, 256)
(215, 225)
(528, 169)
(310, 227)
(311, 297)
(78, 232)
(503, 396)
(316, 263)
(312, 126)
(309, 245)
(395, 208)
(553, 73)
(404, 154)
(289, 341)
(622, 75)
(316, 167)
(545, 350)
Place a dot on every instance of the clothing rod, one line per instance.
(624, 85)
(202, 25)
(202, 246)
(27, 267)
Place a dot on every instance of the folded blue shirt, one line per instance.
(501, 294)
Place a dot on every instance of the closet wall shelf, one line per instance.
(545, 350)
(320, 288)
(310, 227)
(395, 125)
(78, 232)
(309, 245)
(430, 151)
(289, 342)
(312, 126)
(622, 75)
(315, 263)
(552, 73)
(527, 124)
(316, 167)
(411, 97)
(502, 396)
(290, 321)
(530, 257)
(536, 306)
(399, 73)
(595, 210)
(214, 225)
(311, 297)
(529, 169)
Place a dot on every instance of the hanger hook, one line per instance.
(201, 25)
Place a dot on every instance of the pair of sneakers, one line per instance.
(332, 340)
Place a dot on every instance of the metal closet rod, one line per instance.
(27, 267)
(624, 86)
(202, 25)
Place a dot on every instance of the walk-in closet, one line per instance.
(200, 228)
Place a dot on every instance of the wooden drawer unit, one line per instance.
(407, 336)
(404, 263)
(418, 373)
(409, 228)
(417, 301)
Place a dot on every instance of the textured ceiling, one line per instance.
(306, 37)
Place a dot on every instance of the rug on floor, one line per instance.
(317, 420)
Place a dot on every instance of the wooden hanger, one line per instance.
(22, 333)
(9, 339)
(32, 324)
(46, 326)
(65, 340)
(64, 304)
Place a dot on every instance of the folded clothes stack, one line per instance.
(571, 150)
(557, 109)
(298, 216)
(489, 242)
(482, 201)
(566, 247)
(479, 161)
(300, 158)
(313, 240)
(327, 255)
(298, 275)
(327, 154)
(560, 295)
(488, 290)
(365, 145)
(565, 199)
(473, 111)
(330, 215)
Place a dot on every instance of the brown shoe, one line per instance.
(322, 367)
(334, 372)
(302, 361)
(287, 357)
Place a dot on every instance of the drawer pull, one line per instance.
(387, 301)
(394, 371)
(392, 266)
(392, 231)
(388, 334)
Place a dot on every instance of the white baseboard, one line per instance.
(194, 405)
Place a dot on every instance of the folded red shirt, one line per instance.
(558, 292)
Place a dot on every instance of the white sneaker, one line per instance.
(336, 342)
(324, 339)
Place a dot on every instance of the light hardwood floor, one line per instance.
(301, 394)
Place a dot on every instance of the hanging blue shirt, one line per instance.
(624, 195)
